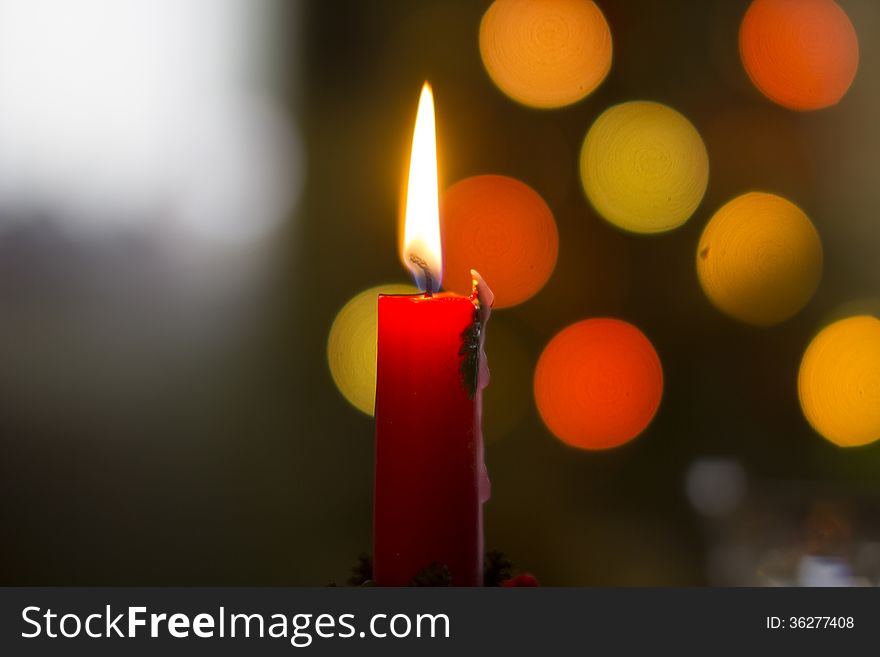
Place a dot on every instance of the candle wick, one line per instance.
(429, 279)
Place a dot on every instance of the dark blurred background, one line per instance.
(167, 415)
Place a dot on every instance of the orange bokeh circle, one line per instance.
(598, 383)
(801, 54)
(502, 228)
(545, 53)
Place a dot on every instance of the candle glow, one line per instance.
(421, 251)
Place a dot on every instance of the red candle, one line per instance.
(431, 480)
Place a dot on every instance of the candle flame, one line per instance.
(421, 250)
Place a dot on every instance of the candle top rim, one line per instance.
(440, 296)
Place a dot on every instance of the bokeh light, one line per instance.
(715, 486)
(502, 228)
(644, 167)
(759, 259)
(839, 381)
(351, 347)
(801, 54)
(545, 53)
(147, 115)
(598, 383)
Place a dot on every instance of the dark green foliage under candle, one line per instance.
(496, 568)
(436, 574)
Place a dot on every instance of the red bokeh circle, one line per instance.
(598, 383)
(502, 228)
(801, 54)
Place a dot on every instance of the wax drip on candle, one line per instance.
(485, 299)
(473, 338)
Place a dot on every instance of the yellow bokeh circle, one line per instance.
(644, 167)
(351, 347)
(545, 53)
(839, 381)
(759, 259)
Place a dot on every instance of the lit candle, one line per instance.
(431, 479)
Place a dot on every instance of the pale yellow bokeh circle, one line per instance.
(759, 259)
(351, 347)
(839, 381)
(644, 167)
(545, 53)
